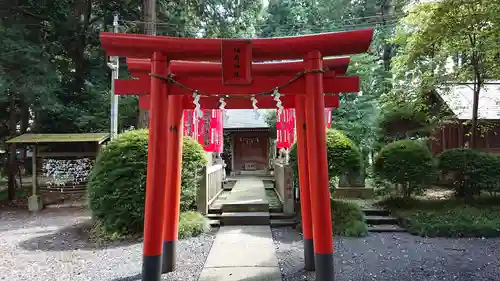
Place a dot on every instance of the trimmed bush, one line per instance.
(343, 155)
(408, 163)
(470, 171)
(193, 160)
(347, 219)
(447, 218)
(192, 224)
(116, 186)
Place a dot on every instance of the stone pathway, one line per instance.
(243, 249)
(242, 253)
(248, 191)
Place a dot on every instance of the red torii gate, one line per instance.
(165, 139)
(140, 68)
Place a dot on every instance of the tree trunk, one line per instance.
(24, 118)
(475, 104)
(149, 8)
(478, 82)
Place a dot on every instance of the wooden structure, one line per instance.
(236, 86)
(249, 138)
(210, 187)
(57, 146)
(456, 102)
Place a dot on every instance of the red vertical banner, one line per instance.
(210, 130)
(291, 126)
(189, 123)
(220, 131)
(236, 62)
(285, 128)
(328, 117)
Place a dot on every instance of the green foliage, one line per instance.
(402, 122)
(192, 224)
(348, 219)
(470, 171)
(271, 118)
(406, 162)
(342, 154)
(435, 33)
(193, 159)
(447, 218)
(116, 187)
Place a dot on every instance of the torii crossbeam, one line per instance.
(165, 137)
(204, 75)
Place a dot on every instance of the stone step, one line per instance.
(214, 223)
(375, 212)
(245, 218)
(245, 207)
(214, 211)
(280, 215)
(284, 222)
(378, 220)
(272, 216)
(385, 228)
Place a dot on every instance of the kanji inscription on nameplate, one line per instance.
(236, 62)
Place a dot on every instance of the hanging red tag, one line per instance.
(236, 62)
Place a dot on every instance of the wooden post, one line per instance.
(156, 179)
(34, 176)
(304, 189)
(318, 168)
(35, 203)
(460, 134)
(202, 193)
(173, 192)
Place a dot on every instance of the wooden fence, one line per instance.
(210, 186)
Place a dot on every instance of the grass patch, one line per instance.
(191, 224)
(347, 219)
(4, 195)
(447, 217)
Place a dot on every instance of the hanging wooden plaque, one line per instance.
(236, 62)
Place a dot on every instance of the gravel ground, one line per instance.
(400, 257)
(49, 247)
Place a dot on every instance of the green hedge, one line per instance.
(408, 163)
(342, 154)
(470, 171)
(347, 219)
(116, 187)
(447, 218)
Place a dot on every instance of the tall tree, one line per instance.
(434, 33)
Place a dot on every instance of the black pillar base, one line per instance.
(169, 256)
(151, 268)
(309, 254)
(324, 267)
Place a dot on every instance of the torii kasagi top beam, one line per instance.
(263, 49)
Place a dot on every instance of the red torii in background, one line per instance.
(173, 94)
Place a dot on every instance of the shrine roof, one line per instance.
(459, 97)
(245, 119)
(60, 138)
